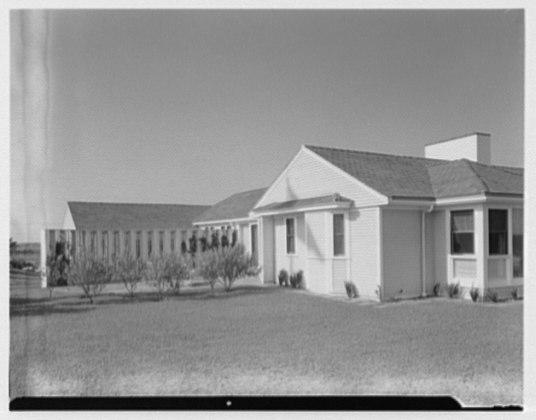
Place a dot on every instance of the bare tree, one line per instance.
(236, 263)
(130, 271)
(208, 267)
(91, 274)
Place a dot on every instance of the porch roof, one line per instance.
(305, 203)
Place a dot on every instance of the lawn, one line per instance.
(263, 341)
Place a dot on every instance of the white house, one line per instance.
(394, 225)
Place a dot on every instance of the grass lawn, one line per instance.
(266, 341)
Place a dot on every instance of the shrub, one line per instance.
(475, 293)
(453, 290)
(283, 277)
(351, 290)
(378, 292)
(176, 270)
(515, 293)
(57, 270)
(166, 273)
(299, 279)
(91, 274)
(437, 289)
(130, 271)
(492, 295)
(21, 264)
(208, 267)
(236, 263)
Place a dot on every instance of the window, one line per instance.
(93, 242)
(83, 244)
(517, 241)
(104, 243)
(149, 243)
(291, 237)
(161, 242)
(338, 234)
(498, 232)
(127, 242)
(462, 232)
(172, 242)
(138, 244)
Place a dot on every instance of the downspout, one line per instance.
(423, 249)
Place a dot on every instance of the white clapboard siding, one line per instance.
(310, 176)
(267, 247)
(365, 251)
(401, 253)
(430, 252)
(339, 274)
(440, 247)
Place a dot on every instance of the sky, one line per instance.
(191, 106)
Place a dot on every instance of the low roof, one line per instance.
(415, 177)
(124, 216)
(304, 203)
(236, 206)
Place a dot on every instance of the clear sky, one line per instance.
(177, 106)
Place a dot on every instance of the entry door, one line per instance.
(254, 241)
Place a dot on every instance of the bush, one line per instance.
(351, 290)
(130, 271)
(378, 292)
(299, 279)
(437, 289)
(296, 280)
(475, 293)
(208, 267)
(515, 293)
(236, 263)
(492, 295)
(21, 264)
(57, 270)
(91, 274)
(176, 270)
(283, 277)
(166, 273)
(454, 290)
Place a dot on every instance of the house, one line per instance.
(393, 225)
(108, 229)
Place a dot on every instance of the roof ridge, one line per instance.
(135, 204)
(376, 153)
(470, 163)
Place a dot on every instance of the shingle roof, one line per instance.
(124, 216)
(415, 177)
(304, 203)
(236, 206)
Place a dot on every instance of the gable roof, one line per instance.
(236, 206)
(125, 216)
(422, 178)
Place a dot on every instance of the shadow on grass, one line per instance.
(38, 306)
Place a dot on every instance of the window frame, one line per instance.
(505, 232)
(452, 233)
(293, 236)
(343, 234)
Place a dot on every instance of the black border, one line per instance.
(245, 403)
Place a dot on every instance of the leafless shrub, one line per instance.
(91, 274)
(130, 271)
